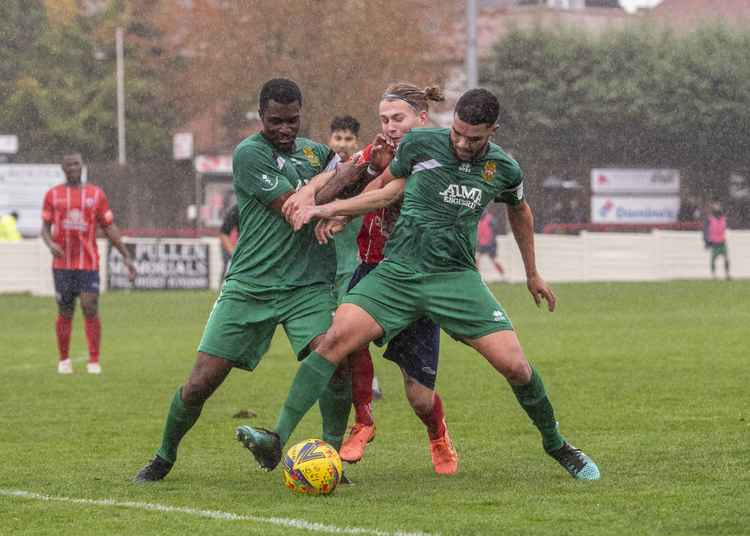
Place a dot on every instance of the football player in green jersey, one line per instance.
(447, 178)
(277, 276)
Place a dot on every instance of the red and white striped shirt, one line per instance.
(74, 212)
(376, 227)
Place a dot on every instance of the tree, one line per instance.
(634, 98)
(343, 54)
(58, 89)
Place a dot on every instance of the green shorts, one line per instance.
(395, 296)
(342, 284)
(718, 250)
(243, 321)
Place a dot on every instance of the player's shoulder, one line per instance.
(93, 189)
(506, 165)
(427, 135)
(255, 145)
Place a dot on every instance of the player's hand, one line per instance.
(306, 214)
(303, 197)
(56, 250)
(382, 152)
(540, 290)
(325, 229)
(132, 272)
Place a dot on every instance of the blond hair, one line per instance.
(413, 96)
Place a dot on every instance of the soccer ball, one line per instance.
(312, 467)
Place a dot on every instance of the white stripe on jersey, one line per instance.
(80, 242)
(427, 164)
(67, 233)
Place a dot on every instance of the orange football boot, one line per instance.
(354, 447)
(444, 456)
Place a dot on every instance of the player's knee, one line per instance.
(332, 344)
(195, 392)
(518, 372)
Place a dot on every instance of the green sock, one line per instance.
(181, 418)
(534, 401)
(335, 406)
(312, 377)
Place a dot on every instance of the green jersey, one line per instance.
(268, 253)
(347, 251)
(444, 199)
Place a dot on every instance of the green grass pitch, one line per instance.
(650, 379)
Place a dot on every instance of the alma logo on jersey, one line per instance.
(460, 194)
(268, 183)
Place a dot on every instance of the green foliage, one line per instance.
(648, 378)
(58, 92)
(637, 97)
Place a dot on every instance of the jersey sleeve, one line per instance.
(405, 157)
(512, 174)
(104, 214)
(48, 208)
(258, 175)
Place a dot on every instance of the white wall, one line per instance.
(25, 266)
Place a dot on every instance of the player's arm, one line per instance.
(54, 248)
(48, 209)
(367, 201)
(231, 220)
(522, 224)
(325, 186)
(112, 232)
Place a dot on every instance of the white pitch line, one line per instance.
(211, 514)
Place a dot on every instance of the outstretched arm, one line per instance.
(367, 201)
(522, 224)
(112, 232)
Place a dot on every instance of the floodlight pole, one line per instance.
(472, 77)
(120, 69)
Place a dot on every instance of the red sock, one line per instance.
(93, 330)
(435, 421)
(63, 327)
(362, 374)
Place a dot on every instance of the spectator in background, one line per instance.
(714, 235)
(228, 235)
(487, 240)
(344, 138)
(8, 229)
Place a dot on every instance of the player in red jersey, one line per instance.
(403, 107)
(70, 216)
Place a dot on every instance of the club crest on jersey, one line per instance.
(460, 194)
(489, 171)
(268, 183)
(311, 157)
(465, 167)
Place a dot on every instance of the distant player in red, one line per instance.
(70, 216)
